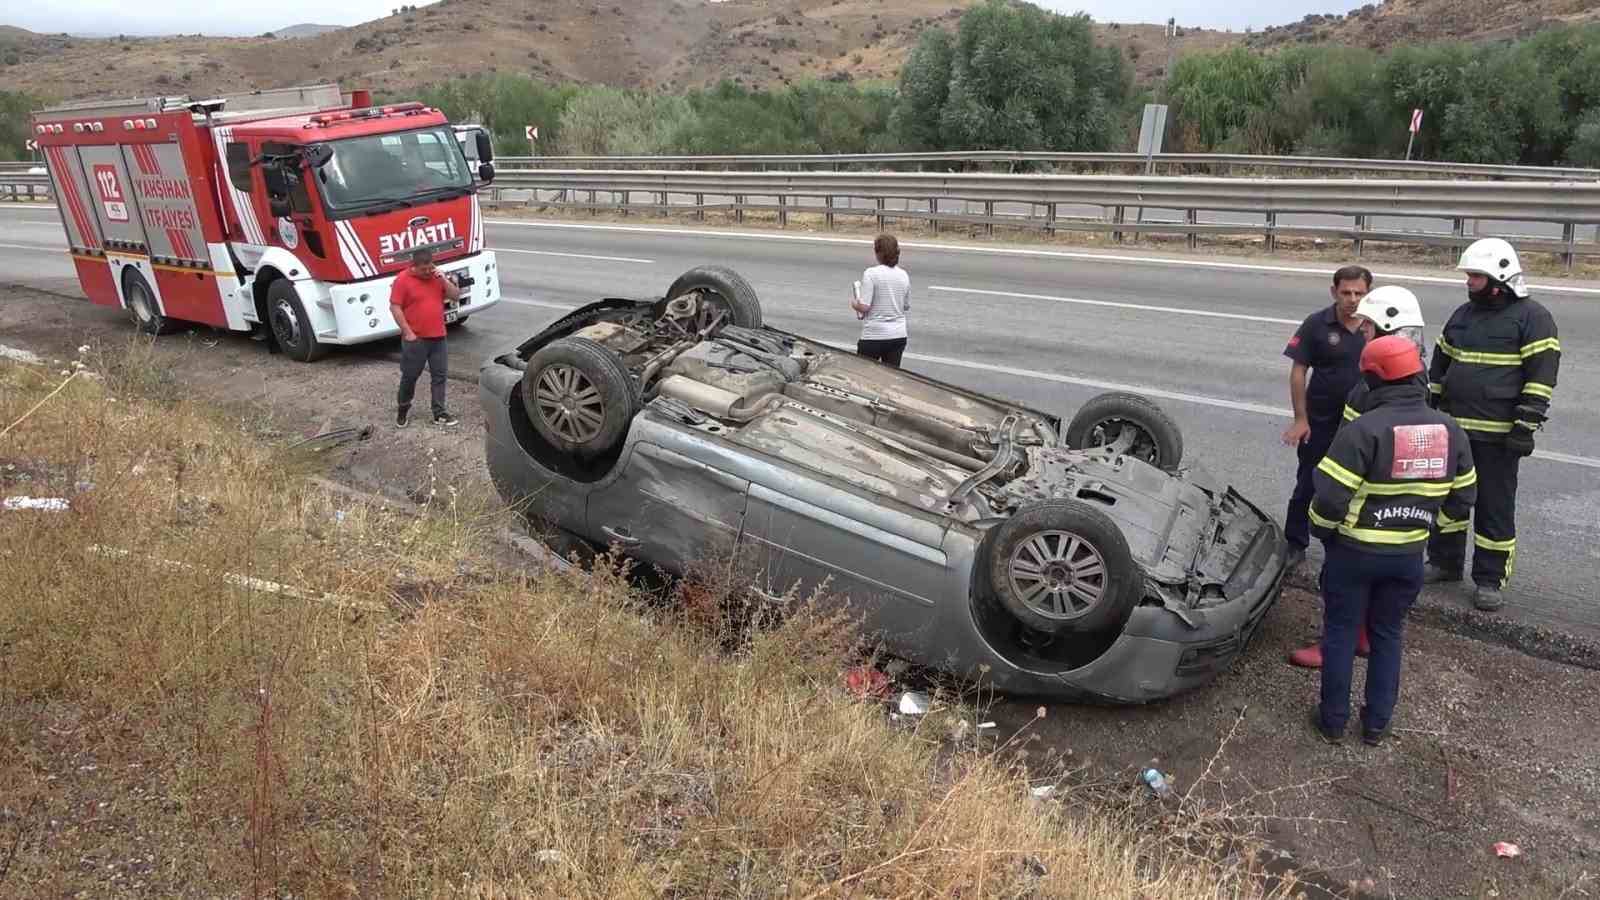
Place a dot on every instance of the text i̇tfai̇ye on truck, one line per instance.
(286, 213)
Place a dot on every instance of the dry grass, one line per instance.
(389, 711)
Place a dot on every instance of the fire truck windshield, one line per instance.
(393, 169)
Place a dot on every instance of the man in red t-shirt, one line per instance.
(417, 303)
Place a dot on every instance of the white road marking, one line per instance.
(1003, 251)
(542, 304)
(627, 259)
(1140, 306)
(1020, 251)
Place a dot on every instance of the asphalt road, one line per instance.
(1051, 328)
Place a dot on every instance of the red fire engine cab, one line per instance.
(286, 212)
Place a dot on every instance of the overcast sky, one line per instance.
(211, 17)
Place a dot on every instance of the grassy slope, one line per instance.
(442, 723)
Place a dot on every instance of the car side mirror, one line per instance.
(485, 172)
(485, 147)
(318, 155)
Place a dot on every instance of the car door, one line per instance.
(669, 506)
(888, 564)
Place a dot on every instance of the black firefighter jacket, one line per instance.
(1495, 366)
(1393, 474)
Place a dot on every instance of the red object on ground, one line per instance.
(865, 681)
(1506, 848)
(1311, 657)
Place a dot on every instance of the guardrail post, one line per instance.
(738, 208)
(1190, 217)
(880, 213)
(933, 219)
(665, 208)
(1569, 236)
(700, 207)
(1361, 225)
(1118, 216)
(594, 208)
(783, 211)
(1272, 232)
(1050, 218)
(988, 212)
(627, 197)
(827, 217)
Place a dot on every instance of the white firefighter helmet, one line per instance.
(1391, 307)
(1497, 259)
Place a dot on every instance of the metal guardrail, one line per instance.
(1037, 201)
(1171, 163)
(1118, 202)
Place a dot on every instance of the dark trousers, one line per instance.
(1297, 521)
(1381, 589)
(887, 352)
(413, 356)
(1494, 521)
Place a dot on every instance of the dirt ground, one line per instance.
(1491, 744)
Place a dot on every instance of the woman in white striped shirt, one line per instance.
(881, 299)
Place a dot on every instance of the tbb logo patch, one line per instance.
(1421, 451)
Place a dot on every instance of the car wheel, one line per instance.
(1149, 433)
(459, 322)
(1063, 566)
(726, 290)
(579, 396)
(142, 305)
(291, 327)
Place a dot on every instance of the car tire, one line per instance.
(1061, 566)
(1157, 439)
(459, 322)
(579, 396)
(290, 325)
(732, 293)
(142, 306)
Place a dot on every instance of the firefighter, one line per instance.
(1389, 475)
(1389, 309)
(1494, 370)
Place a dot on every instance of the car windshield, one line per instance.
(379, 168)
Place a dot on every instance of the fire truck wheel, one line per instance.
(290, 324)
(142, 306)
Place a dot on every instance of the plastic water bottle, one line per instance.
(1157, 782)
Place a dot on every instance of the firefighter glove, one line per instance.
(1520, 441)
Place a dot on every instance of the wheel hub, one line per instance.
(569, 403)
(1058, 574)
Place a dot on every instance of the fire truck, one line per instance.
(285, 213)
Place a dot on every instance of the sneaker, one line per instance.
(1373, 738)
(1432, 574)
(1332, 737)
(402, 418)
(445, 420)
(1307, 657)
(1487, 598)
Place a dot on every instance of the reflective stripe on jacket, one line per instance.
(1394, 474)
(1495, 366)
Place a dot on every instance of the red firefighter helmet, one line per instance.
(1392, 357)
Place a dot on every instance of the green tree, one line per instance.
(1019, 78)
(16, 112)
(924, 88)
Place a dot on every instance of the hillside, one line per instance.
(304, 30)
(1387, 24)
(671, 44)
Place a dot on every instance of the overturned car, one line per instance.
(970, 533)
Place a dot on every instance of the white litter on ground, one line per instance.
(43, 504)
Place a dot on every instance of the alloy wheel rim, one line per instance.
(1058, 574)
(569, 403)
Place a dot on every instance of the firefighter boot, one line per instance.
(1487, 598)
(1435, 574)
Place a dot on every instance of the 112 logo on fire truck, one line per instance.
(418, 234)
(105, 180)
(1421, 451)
